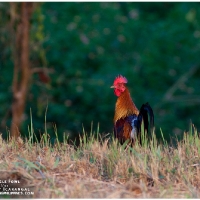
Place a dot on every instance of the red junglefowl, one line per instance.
(127, 118)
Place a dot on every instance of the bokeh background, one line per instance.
(86, 45)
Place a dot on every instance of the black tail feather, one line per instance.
(143, 115)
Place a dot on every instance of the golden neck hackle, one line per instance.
(124, 106)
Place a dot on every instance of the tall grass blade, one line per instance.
(56, 133)
(45, 135)
(163, 139)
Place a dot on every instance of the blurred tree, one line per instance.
(20, 18)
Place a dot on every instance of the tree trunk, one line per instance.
(22, 71)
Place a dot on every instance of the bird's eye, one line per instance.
(120, 85)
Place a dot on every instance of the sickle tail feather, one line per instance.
(146, 110)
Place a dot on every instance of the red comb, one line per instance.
(120, 79)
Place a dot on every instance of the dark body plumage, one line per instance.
(130, 126)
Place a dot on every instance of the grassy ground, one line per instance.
(103, 169)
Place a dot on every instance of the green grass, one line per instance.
(102, 168)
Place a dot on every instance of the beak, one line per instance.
(112, 86)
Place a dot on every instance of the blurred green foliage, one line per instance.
(86, 45)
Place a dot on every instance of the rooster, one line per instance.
(127, 118)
